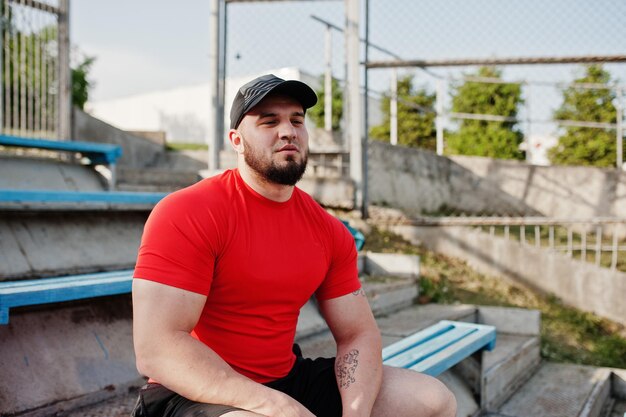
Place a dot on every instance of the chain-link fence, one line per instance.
(501, 79)
(34, 69)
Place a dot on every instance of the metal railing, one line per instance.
(34, 69)
(597, 240)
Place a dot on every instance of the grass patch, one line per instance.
(567, 334)
(179, 146)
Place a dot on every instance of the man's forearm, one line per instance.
(191, 369)
(358, 368)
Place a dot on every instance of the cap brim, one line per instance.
(295, 89)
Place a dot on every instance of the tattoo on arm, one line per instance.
(360, 291)
(345, 367)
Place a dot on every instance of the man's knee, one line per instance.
(409, 393)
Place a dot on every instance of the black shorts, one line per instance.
(311, 382)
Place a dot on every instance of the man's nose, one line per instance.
(287, 131)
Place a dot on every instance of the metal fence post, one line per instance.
(328, 82)
(440, 94)
(214, 82)
(65, 79)
(393, 108)
(619, 129)
(353, 77)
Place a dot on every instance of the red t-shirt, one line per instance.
(257, 261)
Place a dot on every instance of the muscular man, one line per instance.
(225, 266)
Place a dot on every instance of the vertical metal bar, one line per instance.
(22, 72)
(583, 245)
(52, 89)
(393, 108)
(214, 69)
(537, 236)
(614, 249)
(64, 115)
(598, 244)
(528, 121)
(522, 234)
(492, 230)
(439, 119)
(353, 77)
(6, 74)
(506, 232)
(14, 83)
(2, 31)
(365, 196)
(31, 74)
(328, 81)
(570, 238)
(37, 75)
(619, 129)
(551, 237)
(45, 87)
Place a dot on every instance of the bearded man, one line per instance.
(225, 266)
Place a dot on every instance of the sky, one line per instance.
(149, 45)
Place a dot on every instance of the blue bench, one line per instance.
(97, 153)
(440, 346)
(87, 199)
(57, 289)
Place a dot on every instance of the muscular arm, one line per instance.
(163, 318)
(358, 366)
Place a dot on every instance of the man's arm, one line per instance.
(163, 318)
(358, 366)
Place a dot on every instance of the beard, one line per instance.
(287, 174)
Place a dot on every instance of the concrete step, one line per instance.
(155, 176)
(557, 390)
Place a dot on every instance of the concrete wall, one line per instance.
(420, 181)
(61, 356)
(138, 152)
(42, 244)
(580, 284)
(558, 191)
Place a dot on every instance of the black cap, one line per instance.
(253, 92)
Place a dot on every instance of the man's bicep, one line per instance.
(348, 315)
(160, 307)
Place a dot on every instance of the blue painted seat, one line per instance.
(440, 346)
(57, 289)
(87, 198)
(97, 153)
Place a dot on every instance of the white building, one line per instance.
(183, 112)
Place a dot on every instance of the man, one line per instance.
(225, 266)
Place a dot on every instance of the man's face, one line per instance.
(275, 140)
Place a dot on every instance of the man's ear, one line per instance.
(235, 140)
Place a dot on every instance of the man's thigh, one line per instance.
(157, 401)
(408, 393)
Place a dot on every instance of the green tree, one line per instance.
(317, 112)
(81, 83)
(416, 119)
(494, 139)
(583, 145)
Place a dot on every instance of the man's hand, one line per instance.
(282, 405)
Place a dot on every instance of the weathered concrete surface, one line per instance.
(577, 283)
(420, 181)
(39, 244)
(137, 151)
(60, 353)
(556, 191)
(559, 390)
(30, 173)
(392, 264)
